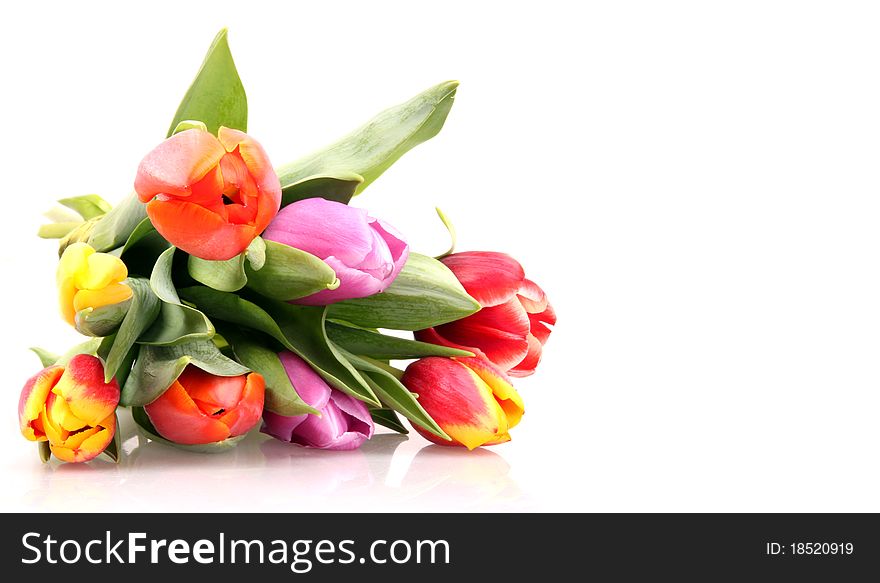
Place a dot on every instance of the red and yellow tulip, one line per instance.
(204, 408)
(469, 398)
(209, 196)
(71, 407)
(87, 279)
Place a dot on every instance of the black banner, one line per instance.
(429, 547)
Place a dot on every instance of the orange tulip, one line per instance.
(209, 196)
(204, 408)
(71, 407)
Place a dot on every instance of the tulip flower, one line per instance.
(366, 253)
(515, 318)
(87, 279)
(345, 423)
(209, 196)
(71, 407)
(200, 407)
(469, 398)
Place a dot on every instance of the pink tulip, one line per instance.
(366, 253)
(515, 319)
(345, 422)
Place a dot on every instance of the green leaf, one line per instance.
(228, 275)
(340, 188)
(176, 322)
(216, 96)
(425, 294)
(87, 206)
(90, 346)
(300, 329)
(289, 274)
(281, 395)
(146, 426)
(450, 228)
(374, 147)
(157, 367)
(388, 418)
(57, 230)
(44, 451)
(103, 320)
(384, 347)
(142, 230)
(141, 314)
(393, 394)
(114, 228)
(46, 358)
(189, 124)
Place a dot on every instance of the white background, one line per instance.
(695, 185)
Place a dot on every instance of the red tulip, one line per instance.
(515, 319)
(209, 196)
(204, 408)
(469, 398)
(71, 407)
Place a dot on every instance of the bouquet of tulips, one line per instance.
(224, 293)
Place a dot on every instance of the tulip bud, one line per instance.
(71, 407)
(345, 423)
(209, 196)
(200, 407)
(91, 292)
(469, 398)
(515, 319)
(366, 253)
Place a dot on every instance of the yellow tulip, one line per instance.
(87, 279)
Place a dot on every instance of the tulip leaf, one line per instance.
(300, 329)
(90, 346)
(45, 451)
(146, 426)
(157, 367)
(87, 206)
(216, 96)
(393, 394)
(57, 230)
(114, 228)
(101, 321)
(385, 347)
(374, 147)
(339, 187)
(176, 322)
(142, 230)
(46, 358)
(281, 396)
(189, 124)
(228, 275)
(388, 418)
(115, 446)
(141, 314)
(424, 294)
(289, 273)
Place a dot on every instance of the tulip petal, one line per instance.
(101, 270)
(397, 246)
(304, 225)
(502, 388)
(247, 412)
(112, 294)
(281, 426)
(500, 332)
(177, 418)
(210, 392)
(490, 278)
(531, 361)
(82, 386)
(178, 163)
(198, 231)
(32, 401)
(532, 297)
(86, 445)
(308, 384)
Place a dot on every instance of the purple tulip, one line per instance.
(345, 422)
(366, 253)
